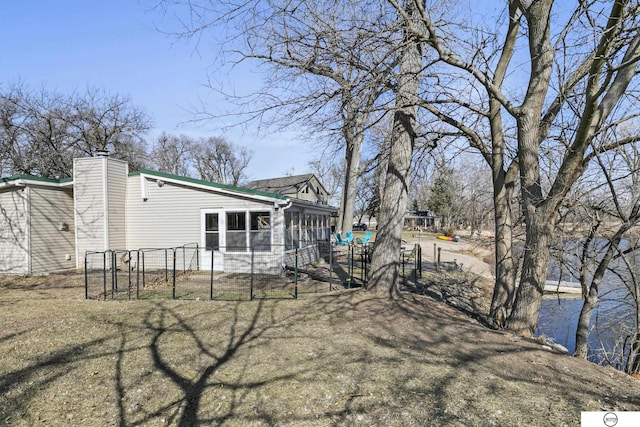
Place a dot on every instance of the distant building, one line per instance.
(304, 187)
(419, 220)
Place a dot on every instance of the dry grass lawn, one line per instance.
(331, 359)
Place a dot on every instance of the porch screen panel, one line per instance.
(260, 234)
(309, 231)
(295, 228)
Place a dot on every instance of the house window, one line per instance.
(236, 235)
(260, 234)
(212, 231)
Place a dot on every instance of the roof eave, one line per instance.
(204, 185)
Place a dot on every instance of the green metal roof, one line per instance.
(35, 178)
(210, 184)
(186, 180)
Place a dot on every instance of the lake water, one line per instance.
(611, 321)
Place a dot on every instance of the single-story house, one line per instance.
(48, 225)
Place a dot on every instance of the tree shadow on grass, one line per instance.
(348, 358)
(161, 324)
(20, 387)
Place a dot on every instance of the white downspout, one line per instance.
(283, 206)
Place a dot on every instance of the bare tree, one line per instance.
(215, 159)
(101, 121)
(43, 131)
(479, 119)
(172, 153)
(385, 261)
(607, 80)
(587, 92)
(612, 215)
(329, 66)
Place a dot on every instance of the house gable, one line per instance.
(304, 187)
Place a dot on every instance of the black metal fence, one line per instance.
(192, 272)
(351, 264)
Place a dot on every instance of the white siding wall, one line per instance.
(14, 248)
(51, 246)
(116, 202)
(171, 214)
(89, 205)
(99, 197)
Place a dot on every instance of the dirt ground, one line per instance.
(325, 359)
(473, 255)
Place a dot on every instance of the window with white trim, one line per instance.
(236, 234)
(212, 231)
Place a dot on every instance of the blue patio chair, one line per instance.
(349, 237)
(365, 238)
(339, 240)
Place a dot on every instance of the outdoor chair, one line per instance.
(349, 237)
(340, 240)
(365, 238)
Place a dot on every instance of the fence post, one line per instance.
(166, 266)
(349, 266)
(366, 265)
(143, 270)
(211, 275)
(174, 273)
(330, 265)
(438, 262)
(362, 269)
(114, 275)
(404, 278)
(104, 275)
(86, 278)
(253, 252)
(295, 276)
(129, 273)
(137, 274)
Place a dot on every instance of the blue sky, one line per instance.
(68, 45)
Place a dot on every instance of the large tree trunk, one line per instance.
(504, 288)
(503, 185)
(538, 217)
(386, 255)
(354, 136)
(526, 307)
